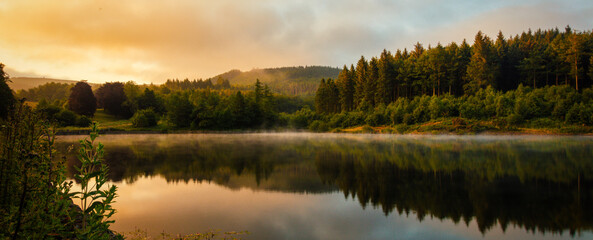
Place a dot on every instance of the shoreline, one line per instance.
(353, 130)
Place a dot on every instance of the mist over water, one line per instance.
(352, 186)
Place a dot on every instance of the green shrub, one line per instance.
(144, 118)
(302, 118)
(83, 121)
(318, 126)
(437, 108)
(375, 119)
(337, 120)
(48, 111)
(515, 118)
(408, 119)
(544, 123)
(354, 119)
(66, 118)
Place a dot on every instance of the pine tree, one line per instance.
(482, 70)
(321, 97)
(387, 77)
(346, 86)
(361, 78)
(575, 51)
(371, 82)
(436, 67)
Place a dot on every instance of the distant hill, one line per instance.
(23, 83)
(286, 80)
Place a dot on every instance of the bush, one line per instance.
(421, 113)
(504, 106)
(408, 119)
(66, 118)
(302, 118)
(337, 120)
(544, 123)
(375, 119)
(83, 121)
(437, 108)
(318, 126)
(49, 111)
(144, 118)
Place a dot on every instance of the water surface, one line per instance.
(344, 186)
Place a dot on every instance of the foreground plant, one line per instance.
(34, 196)
(95, 196)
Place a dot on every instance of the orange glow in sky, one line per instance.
(150, 41)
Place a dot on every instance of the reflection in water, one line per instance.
(541, 184)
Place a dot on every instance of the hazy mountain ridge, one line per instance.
(23, 83)
(287, 80)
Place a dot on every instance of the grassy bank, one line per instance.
(462, 126)
(110, 124)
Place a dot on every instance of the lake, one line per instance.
(352, 186)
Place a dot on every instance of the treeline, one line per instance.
(49, 92)
(535, 59)
(186, 84)
(193, 108)
(546, 107)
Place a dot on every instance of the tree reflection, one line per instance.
(539, 185)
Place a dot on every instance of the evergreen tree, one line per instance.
(239, 111)
(346, 86)
(321, 97)
(148, 100)
(575, 52)
(386, 81)
(361, 79)
(333, 97)
(179, 109)
(258, 91)
(371, 83)
(436, 66)
(82, 101)
(482, 70)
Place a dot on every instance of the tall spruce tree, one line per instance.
(346, 86)
(482, 69)
(386, 81)
(361, 79)
(371, 82)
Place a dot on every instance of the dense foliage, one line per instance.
(6, 96)
(111, 96)
(546, 107)
(35, 198)
(535, 59)
(50, 92)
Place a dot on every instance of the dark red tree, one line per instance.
(82, 100)
(111, 96)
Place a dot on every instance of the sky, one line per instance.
(150, 41)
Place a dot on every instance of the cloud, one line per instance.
(150, 40)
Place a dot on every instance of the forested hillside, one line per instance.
(286, 80)
(24, 83)
(540, 78)
(534, 59)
